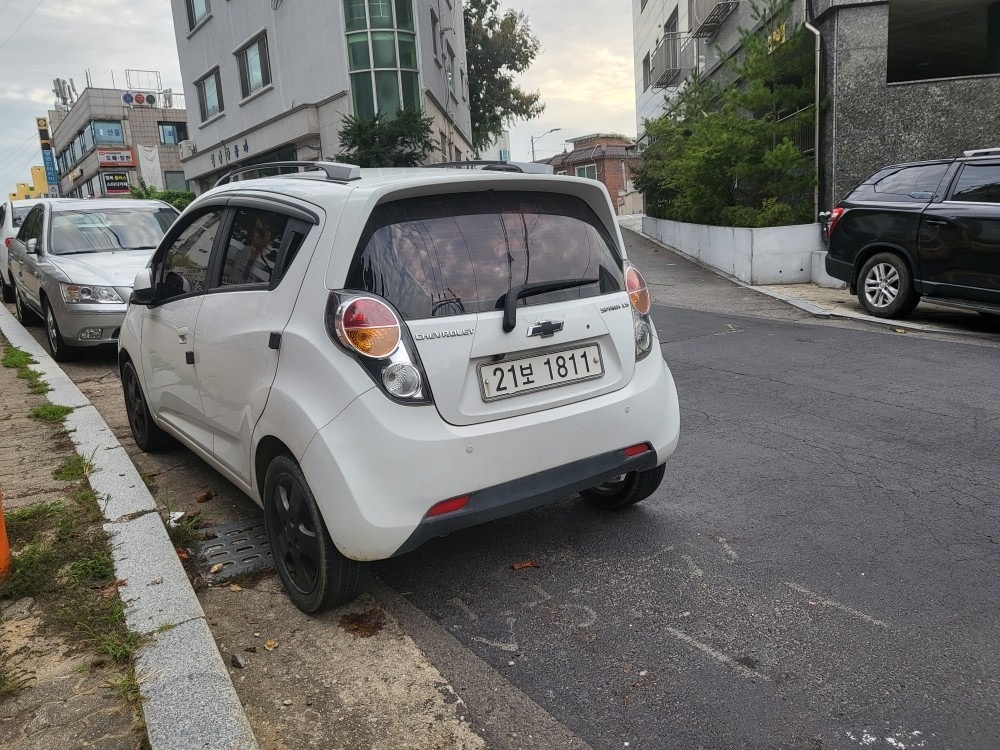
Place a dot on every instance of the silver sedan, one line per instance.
(73, 263)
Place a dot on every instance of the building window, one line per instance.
(197, 10)
(435, 30)
(172, 133)
(382, 57)
(255, 68)
(939, 41)
(589, 171)
(645, 72)
(210, 95)
(175, 181)
(451, 70)
(106, 131)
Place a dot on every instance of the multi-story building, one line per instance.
(274, 81)
(603, 157)
(109, 138)
(39, 187)
(900, 81)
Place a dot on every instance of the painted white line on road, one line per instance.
(820, 599)
(727, 550)
(720, 657)
(696, 572)
(473, 617)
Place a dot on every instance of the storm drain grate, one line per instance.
(240, 547)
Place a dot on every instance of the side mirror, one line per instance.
(143, 292)
(31, 246)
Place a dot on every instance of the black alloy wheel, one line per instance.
(625, 490)
(315, 575)
(145, 432)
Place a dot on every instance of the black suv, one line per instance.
(929, 228)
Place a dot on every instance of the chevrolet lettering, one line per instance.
(444, 334)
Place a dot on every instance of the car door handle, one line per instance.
(937, 222)
(182, 334)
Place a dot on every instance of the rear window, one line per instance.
(916, 183)
(443, 255)
(19, 214)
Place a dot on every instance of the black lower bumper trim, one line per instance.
(529, 492)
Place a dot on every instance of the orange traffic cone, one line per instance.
(4, 545)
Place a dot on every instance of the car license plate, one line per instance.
(512, 377)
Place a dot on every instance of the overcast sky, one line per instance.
(584, 71)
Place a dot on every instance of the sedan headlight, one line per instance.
(82, 293)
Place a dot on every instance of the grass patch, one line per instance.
(77, 467)
(21, 361)
(13, 679)
(51, 413)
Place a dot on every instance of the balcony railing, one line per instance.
(805, 137)
(709, 15)
(672, 60)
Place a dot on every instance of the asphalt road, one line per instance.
(818, 569)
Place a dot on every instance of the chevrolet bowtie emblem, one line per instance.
(545, 328)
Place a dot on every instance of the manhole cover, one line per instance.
(240, 547)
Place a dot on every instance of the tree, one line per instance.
(727, 155)
(179, 199)
(402, 141)
(497, 47)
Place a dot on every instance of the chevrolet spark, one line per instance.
(380, 357)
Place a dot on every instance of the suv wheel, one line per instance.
(146, 434)
(626, 490)
(315, 575)
(885, 287)
(60, 351)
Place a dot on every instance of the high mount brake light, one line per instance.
(368, 326)
(835, 215)
(638, 294)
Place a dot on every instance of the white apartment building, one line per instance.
(273, 81)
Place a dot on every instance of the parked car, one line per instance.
(380, 357)
(926, 229)
(12, 213)
(73, 262)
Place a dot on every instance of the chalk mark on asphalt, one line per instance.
(720, 657)
(820, 599)
(511, 646)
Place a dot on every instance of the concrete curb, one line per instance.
(815, 310)
(188, 697)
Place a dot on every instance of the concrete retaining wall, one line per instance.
(770, 255)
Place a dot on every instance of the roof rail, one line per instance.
(334, 171)
(982, 152)
(525, 167)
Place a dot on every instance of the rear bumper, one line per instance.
(839, 269)
(378, 468)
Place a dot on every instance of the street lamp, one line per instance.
(538, 138)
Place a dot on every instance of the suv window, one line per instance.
(919, 182)
(252, 250)
(460, 253)
(185, 264)
(979, 183)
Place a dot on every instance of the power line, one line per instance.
(19, 154)
(10, 153)
(24, 21)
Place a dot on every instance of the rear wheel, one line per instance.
(146, 434)
(626, 490)
(315, 575)
(57, 346)
(23, 312)
(6, 290)
(885, 287)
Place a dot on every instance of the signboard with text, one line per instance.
(115, 183)
(115, 157)
(48, 158)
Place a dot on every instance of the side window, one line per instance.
(31, 228)
(979, 183)
(251, 251)
(918, 183)
(185, 265)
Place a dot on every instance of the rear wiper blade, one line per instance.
(509, 300)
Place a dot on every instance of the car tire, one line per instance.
(147, 435)
(57, 345)
(24, 313)
(315, 575)
(626, 490)
(885, 287)
(6, 290)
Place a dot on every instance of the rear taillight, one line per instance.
(835, 215)
(638, 295)
(369, 328)
(8, 240)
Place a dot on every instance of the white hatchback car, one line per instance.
(380, 357)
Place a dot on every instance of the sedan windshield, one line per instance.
(109, 229)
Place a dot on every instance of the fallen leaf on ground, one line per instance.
(204, 497)
(525, 564)
(181, 553)
(156, 582)
(899, 330)
(216, 568)
(235, 587)
(270, 645)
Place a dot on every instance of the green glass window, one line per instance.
(380, 14)
(411, 90)
(387, 86)
(357, 51)
(383, 49)
(354, 15)
(407, 51)
(404, 14)
(364, 99)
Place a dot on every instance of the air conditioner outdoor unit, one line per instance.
(188, 149)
